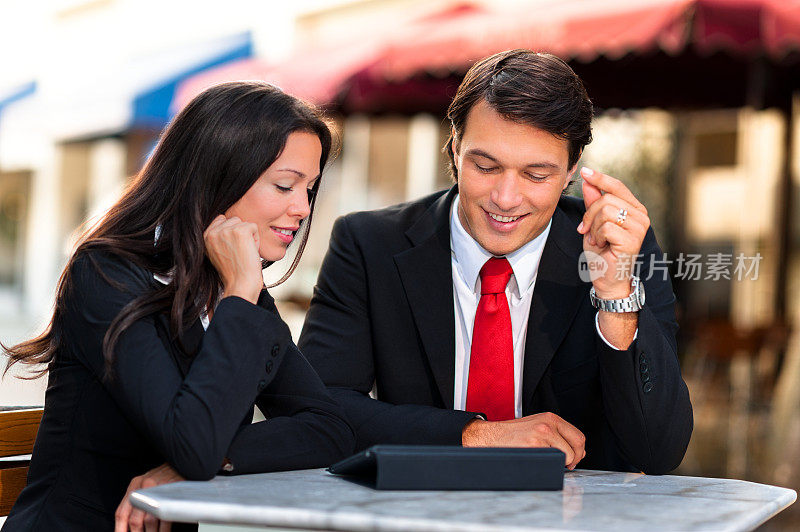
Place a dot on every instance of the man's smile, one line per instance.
(503, 223)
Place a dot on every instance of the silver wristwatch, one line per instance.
(632, 303)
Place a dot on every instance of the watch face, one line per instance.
(640, 294)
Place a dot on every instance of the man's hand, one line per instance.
(617, 243)
(617, 240)
(538, 430)
(129, 518)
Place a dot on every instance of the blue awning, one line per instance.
(151, 107)
(17, 93)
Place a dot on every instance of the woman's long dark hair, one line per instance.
(205, 160)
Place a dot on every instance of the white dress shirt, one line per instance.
(167, 279)
(467, 259)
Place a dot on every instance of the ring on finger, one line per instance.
(621, 216)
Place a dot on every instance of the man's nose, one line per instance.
(506, 194)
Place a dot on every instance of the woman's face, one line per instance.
(278, 200)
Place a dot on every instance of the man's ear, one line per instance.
(570, 177)
(571, 174)
(455, 145)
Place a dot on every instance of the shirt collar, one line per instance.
(167, 277)
(470, 256)
(163, 279)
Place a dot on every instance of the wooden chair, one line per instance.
(18, 427)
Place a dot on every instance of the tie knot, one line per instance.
(495, 275)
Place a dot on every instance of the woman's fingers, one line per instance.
(122, 515)
(129, 518)
(136, 521)
(124, 510)
(232, 246)
(150, 523)
(216, 222)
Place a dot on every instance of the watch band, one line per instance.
(633, 303)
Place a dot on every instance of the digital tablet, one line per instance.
(434, 467)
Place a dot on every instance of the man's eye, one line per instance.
(485, 169)
(283, 189)
(538, 178)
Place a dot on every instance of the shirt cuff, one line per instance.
(597, 326)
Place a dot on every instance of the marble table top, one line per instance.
(591, 500)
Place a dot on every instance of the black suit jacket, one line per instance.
(382, 314)
(189, 404)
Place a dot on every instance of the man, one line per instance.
(466, 313)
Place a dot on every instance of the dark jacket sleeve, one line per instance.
(336, 339)
(305, 427)
(644, 396)
(191, 421)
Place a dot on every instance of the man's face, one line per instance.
(510, 177)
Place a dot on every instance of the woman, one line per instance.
(163, 335)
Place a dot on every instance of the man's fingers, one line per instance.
(164, 526)
(548, 433)
(611, 185)
(590, 193)
(632, 230)
(572, 434)
(608, 208)
(562, 445)
(574, 438)
(620, 240)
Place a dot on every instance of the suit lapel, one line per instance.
(556, 298)
(426, 273)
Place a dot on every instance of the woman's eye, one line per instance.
(283, 189)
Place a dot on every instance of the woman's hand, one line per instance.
(232, 247)
(129, 518)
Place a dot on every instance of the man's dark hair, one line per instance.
(528, 87)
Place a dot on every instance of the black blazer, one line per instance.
(382, 314)
(190, 405)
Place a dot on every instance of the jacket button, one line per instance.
(261, 385)
(269, 366)
(643, 368)
(648, 386)
(645, 377)
(275, 350)
(642, 359)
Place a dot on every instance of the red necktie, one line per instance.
(491, 361)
